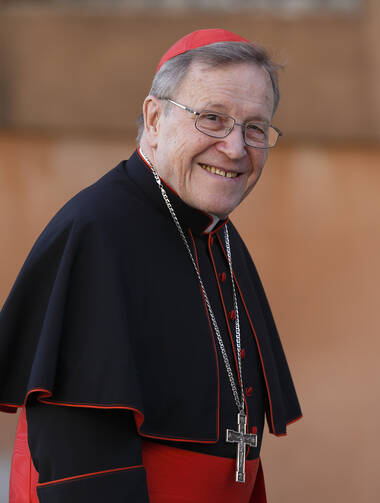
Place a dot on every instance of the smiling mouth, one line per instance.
(218, 171)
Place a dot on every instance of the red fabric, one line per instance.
(24, 477)
(173, 475)
(88, 475)
(259, 494)
(197, 39)
(249, 391)
(181, 476)
(222, 276)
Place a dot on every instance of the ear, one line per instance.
(152, 111)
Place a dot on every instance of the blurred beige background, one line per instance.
(72, 80)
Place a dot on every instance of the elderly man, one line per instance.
(137, 338)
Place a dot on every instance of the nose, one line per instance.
(233, 145)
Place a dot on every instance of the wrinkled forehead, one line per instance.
(230, 82)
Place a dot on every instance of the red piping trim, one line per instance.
(138, 415)
(294, 420)
(228, 326)
(287, 424)
(31, 464)
(139, 420)
(87, 475)
(257, 343)
(222, 224)
(212, 338)
(162, 180)
(9, 408)
(178, 439)
(44, 393)
(225, 310)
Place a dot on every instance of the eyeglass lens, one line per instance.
(219, 125)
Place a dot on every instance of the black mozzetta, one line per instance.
(107, 311)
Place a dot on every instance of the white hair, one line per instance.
(170, 76)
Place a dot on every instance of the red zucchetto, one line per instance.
(199, 38)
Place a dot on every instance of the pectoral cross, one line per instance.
(241, 438)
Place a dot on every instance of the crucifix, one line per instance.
(241, 438)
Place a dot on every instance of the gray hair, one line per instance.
(170, 76)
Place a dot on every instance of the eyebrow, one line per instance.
(254, 118)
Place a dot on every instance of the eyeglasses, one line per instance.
(218, 125)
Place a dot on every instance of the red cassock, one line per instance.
(173, 475)
(107, 344)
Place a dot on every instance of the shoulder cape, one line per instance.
(95, 314)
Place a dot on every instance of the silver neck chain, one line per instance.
(239, 400)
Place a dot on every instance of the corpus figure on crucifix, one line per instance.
(241, 438)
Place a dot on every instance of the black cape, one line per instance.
(107, 312)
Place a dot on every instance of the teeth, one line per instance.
(217, 171)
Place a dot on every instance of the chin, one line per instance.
(221, 209)
(220, 214)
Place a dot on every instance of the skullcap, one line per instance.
(199, 38)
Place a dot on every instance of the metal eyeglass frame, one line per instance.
(188, 109)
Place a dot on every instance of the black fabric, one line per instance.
(208, 252)
(70, 441)
(118, 487)
(107, 311)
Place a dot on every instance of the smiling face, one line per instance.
(210, 174)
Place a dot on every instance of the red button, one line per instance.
(242, 353)
(249, 391)
(232, 315)
(254, 430)
(222, 277)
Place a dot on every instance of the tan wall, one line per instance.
(311, 225)
(88, 70)
(74, 81)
